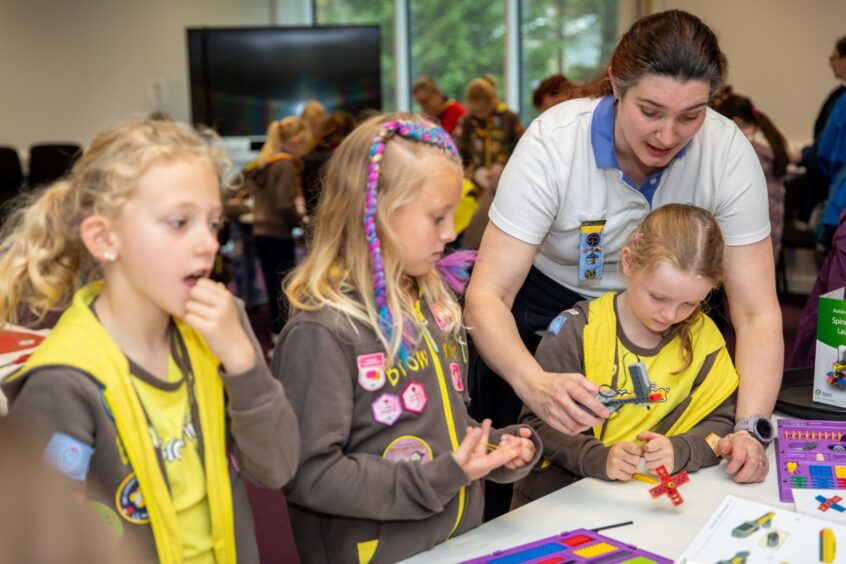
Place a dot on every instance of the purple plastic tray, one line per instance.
(810, 455)
(572, 547)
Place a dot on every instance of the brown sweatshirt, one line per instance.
(262, 438)
(274, 199)
(573, 457)
(376, 471)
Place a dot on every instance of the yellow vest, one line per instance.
(80, 341)
(602, 350)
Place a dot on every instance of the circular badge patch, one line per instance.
(130, 501)
(109, 517)
(408, 448)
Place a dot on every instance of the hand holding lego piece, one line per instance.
(473, 456)
(623, 459)
(657, 451)
(522, 445)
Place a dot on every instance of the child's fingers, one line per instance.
(468, 443)
(525, 432)
(631, 449)
(486, 430)
(647, 436)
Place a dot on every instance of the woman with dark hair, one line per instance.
(549, 91)
(582, 176)
(771, 148)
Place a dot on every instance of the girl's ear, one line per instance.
(614, 88)
(97, 234)
(626, 261)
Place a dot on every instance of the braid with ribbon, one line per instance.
(417, 131)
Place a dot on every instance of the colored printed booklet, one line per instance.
(572, 547)
(747, 532)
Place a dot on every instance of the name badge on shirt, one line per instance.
(591, 249)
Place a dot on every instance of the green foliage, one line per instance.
(454, 41)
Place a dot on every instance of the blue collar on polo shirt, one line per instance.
(602, 141)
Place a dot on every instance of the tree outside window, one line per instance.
(455, 41)
(570, 37)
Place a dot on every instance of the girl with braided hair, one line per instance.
(390, 462)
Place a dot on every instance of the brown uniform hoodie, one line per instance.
(377, 481)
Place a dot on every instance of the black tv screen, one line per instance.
(244, 78)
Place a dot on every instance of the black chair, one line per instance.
(11, 176)
(50, 161)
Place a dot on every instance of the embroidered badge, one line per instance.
(439, 320)
(408, 448)
(455, 373)
(386, 409)
(130, 501)
(371, 371)
(69, 456)
(557, 324)
(108, 516)
(591, 250)
(414, 397)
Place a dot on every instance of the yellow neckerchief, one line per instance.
(603, 352)
(95, 353)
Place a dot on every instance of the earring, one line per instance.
(109, 256)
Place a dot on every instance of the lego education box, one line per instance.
(830, 364)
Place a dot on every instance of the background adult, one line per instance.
(815, 181)
(549, 91)
(640, 137)
(436, 104)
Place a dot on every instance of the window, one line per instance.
(570, 37)
(380, 12)
(455, 41)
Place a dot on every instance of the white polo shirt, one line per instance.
(563, 173)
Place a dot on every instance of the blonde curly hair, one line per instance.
(43, 260)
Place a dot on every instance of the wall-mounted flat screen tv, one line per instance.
(243, 78)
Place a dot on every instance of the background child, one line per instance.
(672, 260)
(771, 148)
(279, 207)
(375, 359)
(129, 385)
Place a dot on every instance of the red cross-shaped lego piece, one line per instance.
(669, 485)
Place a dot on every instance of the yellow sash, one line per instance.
(602, 348)
(81, 342)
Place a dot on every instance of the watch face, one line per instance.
(764, 428)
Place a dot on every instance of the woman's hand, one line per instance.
(747, 458)
(657, 451)
(211, 311)
(564, 400)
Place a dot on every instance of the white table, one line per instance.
(589, 503)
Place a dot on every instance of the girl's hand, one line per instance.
(473, 456)
(622, 461)
(657, 451)
(522, 445)
(211, 311)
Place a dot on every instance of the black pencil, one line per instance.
(596, 530)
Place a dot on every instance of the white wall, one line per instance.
(71, 68)
(778, 53)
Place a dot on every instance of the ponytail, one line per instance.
(42, 258)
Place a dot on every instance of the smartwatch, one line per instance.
(758, 427)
